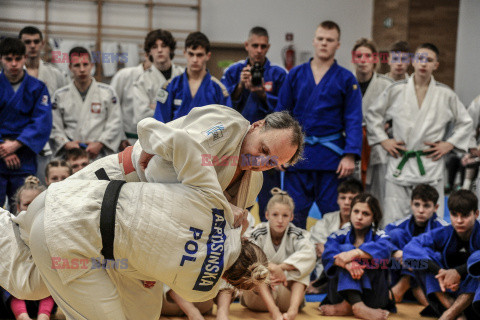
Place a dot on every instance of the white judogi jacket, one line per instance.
(98, 118)
(122, 83)
(145, 91)
(295, 249)
(474, 112)
(377, 85)
(179, 234)
(53, 78)
(324, 227)
(415, 125)
(201, 123)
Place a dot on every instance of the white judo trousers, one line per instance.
(415, 125)
(153, 222)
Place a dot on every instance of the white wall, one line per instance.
(230, 21)
(467, 66)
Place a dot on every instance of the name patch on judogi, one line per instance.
(212, 267)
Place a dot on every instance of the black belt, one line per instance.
(107, 217)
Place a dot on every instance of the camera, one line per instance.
(257, 74)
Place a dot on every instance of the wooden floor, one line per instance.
(406, 311)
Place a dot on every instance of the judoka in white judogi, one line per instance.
(122, 83)
(145, 91)
(98, 118)
(155, 238)
(415, 125)
(377, 165)
(226, 142)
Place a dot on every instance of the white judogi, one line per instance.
(98, 118)
(122, 83)
(154, 232)
(200, 124)
(474, 112)
(322, 229)
(54, 79)
(295, 249)
(416, 125)
(146, 89)
(377, 165)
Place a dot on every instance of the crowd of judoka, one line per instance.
(182, 226)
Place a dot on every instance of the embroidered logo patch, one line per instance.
(355, 87)
(162, 95)
(114, 99)
(95, 107)
(268, 86)
(177, 102)
(44, 100)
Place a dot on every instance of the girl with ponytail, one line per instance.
(291, 258)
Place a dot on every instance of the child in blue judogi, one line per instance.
(355, 260)
(423, 219)
(443, 255)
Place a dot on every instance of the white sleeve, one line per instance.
(141, 100)
(375, 118)
(319, 232)
(304, 258)
(112, 131)
(463, 134)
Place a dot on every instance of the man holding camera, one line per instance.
(254, 84)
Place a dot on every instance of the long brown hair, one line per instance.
(374, 206)
(250, 269)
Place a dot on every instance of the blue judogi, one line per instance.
(435, 245)
(254, 109)
(330, 113)
(175, 100)
(474, 270)
(373, 286)
(249, 104)
(401, 232)
(26, 116)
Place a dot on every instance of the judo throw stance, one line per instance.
(180, 234)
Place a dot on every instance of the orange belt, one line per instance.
(125, 159)
(365, 155)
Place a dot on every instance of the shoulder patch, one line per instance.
(44, 101)
(442, 222)
(222, 87)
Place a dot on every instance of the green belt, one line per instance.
(131, 135)
(407, 155)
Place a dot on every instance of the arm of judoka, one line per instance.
(266, 296)
(375, 119)
(37, 132)
(187, 307)
(303, 259)
(141, 101)
(461, 303)
(58, 135)
(186, 154)
(463, 131)
(112, 131)
(343, 258)
(352, 119)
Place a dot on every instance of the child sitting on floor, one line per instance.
(291, 257)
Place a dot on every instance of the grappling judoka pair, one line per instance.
(180, 234)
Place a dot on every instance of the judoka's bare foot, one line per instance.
(400, 288)
(222, 317)
(420, 296)
(23, 316)
(290, 314)
(312, 290)
(340, 309)
(360, 310)
(43, 316)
